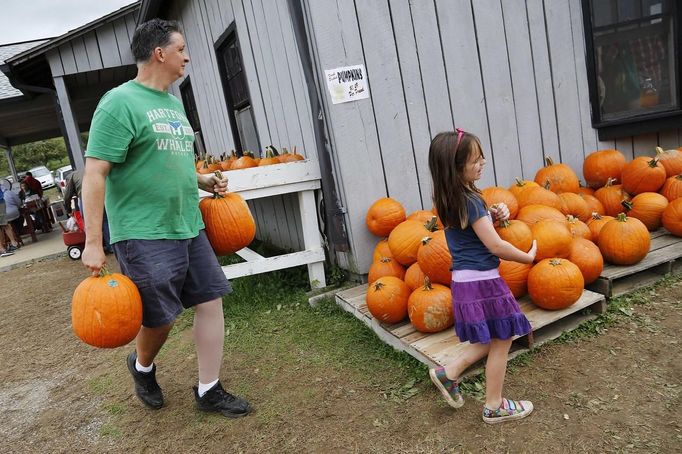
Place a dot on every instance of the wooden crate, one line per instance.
(663, 258)
(441, 348)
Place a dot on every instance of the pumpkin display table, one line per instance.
(302, 178)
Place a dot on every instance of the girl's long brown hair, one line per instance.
(446, 163)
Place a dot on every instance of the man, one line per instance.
(140, 162)
(33, 184)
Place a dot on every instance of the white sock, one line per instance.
(203, 388)
(140, 368)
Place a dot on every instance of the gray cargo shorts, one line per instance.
(171, 275)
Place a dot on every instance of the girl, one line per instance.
(486, 313)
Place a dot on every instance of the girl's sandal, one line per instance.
(448, 388)
(508, 410)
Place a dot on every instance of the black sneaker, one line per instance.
(146, 387)
(218, 400)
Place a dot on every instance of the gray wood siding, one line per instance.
(279, 96)
(108, 46)
(512, 72)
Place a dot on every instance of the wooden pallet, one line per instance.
(441, 348)
(663, 258)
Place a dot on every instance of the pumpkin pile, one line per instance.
(225, 162)
(577, 229)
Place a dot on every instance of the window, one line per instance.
(236, 92)
(632, 65)
(192, 114)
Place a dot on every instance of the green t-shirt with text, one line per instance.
(151, 191)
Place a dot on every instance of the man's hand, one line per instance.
(499, 211)
(209, 182)
(93, 258)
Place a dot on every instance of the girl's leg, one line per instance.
(10, 234)
(472, 354)
(495, 370)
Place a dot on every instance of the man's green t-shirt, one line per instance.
(151, 191)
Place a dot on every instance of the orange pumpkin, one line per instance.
(434, 258)
(385, 266)
(381, 250)
(593, 204)
(515, 274)
(611, 196)
(517, 233)
(578, 228)
(624, 240)
(430, 308)
(229, 223)
(553, 239)
(575, 205)
(585, 190)
(387, 299)
(424, 216)
(602, 165)
(647, 207)
(530, 214)
(596, 223)
(672, 217)
(555, 284)
(671, 160)
(383, 215)
(405, 239)
(587, 256)
(414, 276)
(269, 159)
(643, 174)
(521, 185)
(245, 162)
(495, 194)
(106, 310)
(538, 195)
(285, 156)
(560, 177)
(672, 188)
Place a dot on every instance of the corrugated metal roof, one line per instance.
(7, 51)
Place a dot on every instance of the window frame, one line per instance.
(224, 40)
(639, 124)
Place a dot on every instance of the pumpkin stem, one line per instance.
(431, 225)
(378, 285)
(654, 163)
(427, 284)
(570, 218)
(426, 240)
(385, 259)
(626, 204)
(519, 182)
(549, 161)
(610, 181)
(555, 262)
(547, 184)
(596, 216)
(103, 271)
(621, 217)
(219, 174)
(504, 224)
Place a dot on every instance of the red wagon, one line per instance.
(74, 241)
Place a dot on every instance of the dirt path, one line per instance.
(618, 391)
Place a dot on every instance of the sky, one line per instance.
(26, 20)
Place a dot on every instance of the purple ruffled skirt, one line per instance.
(486, 309)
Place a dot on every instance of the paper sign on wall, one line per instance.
(348, 83)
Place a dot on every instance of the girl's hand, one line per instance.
(499, 211)
(533, 250)
(209, 182)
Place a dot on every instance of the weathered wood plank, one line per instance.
(80, 54)
(68, 59)
(499, 96)
(543, 80)
(645, 144)
(529, 133)
(55, 62)
(123, 41)
(625, 146)
(539, 317)
(464, 80)
(273, 263)
(557, 15)
(92, 49)
(669, 139)
(108, 47)
(652, 259)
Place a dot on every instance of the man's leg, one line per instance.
(149, 341)
(209, 335)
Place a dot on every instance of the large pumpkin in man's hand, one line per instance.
(106, 311)
(229, 223)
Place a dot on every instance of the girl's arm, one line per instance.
(488, 235)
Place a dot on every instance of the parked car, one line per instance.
(43, 174)
(60, 176)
